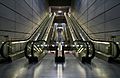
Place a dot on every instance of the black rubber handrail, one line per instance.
(25, 50)
(75, 32)
(68, 31)
(9, 41)
(1, 50)
(91, 39)
(32, 46)
(43, 30)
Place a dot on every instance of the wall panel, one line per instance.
(20, 18)
(100, 18)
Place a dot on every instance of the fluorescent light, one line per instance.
(65, 45)
(38, 45)
(117, 42)
(73, 45)
(19, 42)
(59, 11)
(42, 45)
(60, 27)
(54, 13)
(81, 50)
(77, 45)
(53, 45)
(101, 42)
(45, 45)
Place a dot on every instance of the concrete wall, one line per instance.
(19, 18)
(99, 18)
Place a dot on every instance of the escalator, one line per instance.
(12, 50)
(35, 50)
(106, 50)
(83, 47)
(60, 40)
(42, 41)
(70, 44)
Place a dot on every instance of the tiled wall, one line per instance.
(99, 18)
(19, 18)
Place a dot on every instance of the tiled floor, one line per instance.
(48, 69)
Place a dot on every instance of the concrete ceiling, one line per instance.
(59, 2)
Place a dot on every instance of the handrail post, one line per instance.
(117, 49)
(25, 50)
(32, 51)
(93, 50)
(87, 54)
(6, 56)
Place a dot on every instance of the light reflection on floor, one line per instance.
(59, 71)
(72, 68)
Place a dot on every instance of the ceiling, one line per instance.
(59, 5)
(59, 2)
(59, 8)
(62, 5)
(60, 19)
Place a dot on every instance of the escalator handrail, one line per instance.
(116, 45)
(1, 50)
(76, 32)
(26, 40)
(31, 52)
(88, 52)
(43, 31)
(32, 41)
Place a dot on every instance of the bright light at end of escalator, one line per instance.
(59, 11)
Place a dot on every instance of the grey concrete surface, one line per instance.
(99, 18)
(48, 69)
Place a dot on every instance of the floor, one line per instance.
(48, 69)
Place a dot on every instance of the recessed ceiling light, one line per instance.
(59, 11)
